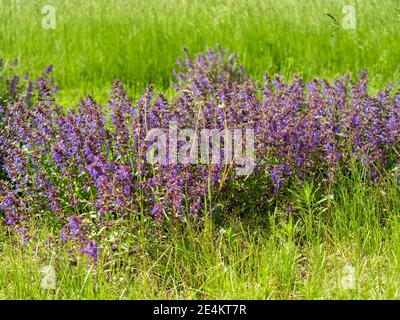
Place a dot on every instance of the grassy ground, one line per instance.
(304, 254)
(95, 42)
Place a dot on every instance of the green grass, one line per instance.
(301, 255)
(96, 41)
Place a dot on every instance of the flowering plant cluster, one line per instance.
(92, 159)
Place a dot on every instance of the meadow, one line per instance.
(82, 219)
(96, 42)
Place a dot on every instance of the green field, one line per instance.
(275, 255)
(137, 41)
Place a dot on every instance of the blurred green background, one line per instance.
(138, 41)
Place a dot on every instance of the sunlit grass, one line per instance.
(138, 41)
(278, 256)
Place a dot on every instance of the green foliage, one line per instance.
(356, 224)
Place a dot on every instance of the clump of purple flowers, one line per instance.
(76, 230)
(92, 158)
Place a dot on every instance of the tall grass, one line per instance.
(137, 41)
(279, 255)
